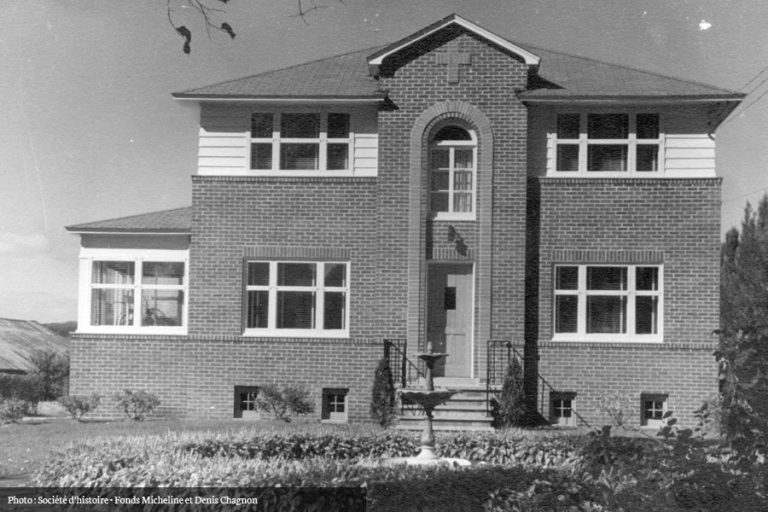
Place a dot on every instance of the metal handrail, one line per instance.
(404, 370)
(492, 375)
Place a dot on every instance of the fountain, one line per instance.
(428, 399)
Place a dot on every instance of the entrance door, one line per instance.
(449, 317)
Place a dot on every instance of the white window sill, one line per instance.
(294, 333)
(651, 339)
(335, 422)
(168, 331)
(604, 174)
(453, 216)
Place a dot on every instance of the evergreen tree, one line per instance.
(744, 273)
(383, 395)
(512, 408)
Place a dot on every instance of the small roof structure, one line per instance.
(165, 222)
(19, 339)
(554, 76)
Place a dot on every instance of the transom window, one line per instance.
(607, 143)
(297, 298)
(137, 293)
(607, 302)
(653, 407)
(561, 408)
(452, 173)
(300, 141)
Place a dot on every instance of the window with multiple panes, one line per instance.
(300, 141)
(452, 173)
(137, 293)
(607, 142)
(652, 409)
(607, 302)
(297, 297)
(245, 402)
(334, 404)
(561, 408)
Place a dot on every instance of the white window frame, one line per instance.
(318, 288)
(136, 256)
(584, 142)
(631, 293)
(452, 145)
(335, 417)
(647, 422)
(561, 421)
(322, 140)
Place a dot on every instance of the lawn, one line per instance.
(25, 446)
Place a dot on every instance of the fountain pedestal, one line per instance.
(428, 398)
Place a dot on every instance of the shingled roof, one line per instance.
(20, 338)
(343, 76)
(557, 76)
(561, 75)
(178, 220)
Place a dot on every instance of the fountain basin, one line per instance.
(426, 398)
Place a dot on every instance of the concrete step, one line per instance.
(440, 414)
(445, 424)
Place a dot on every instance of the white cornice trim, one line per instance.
(529, 58)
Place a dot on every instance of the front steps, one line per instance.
(465, 411)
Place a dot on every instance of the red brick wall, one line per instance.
(232, 214)
(675, 222)
(195, 377)
(416, 82)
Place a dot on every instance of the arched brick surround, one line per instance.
(417, 214)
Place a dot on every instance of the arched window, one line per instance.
(452, 170)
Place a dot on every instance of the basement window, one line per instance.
(245, 402)
(335, 405)
(561, 408)
(652, 409)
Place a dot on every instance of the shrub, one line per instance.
(383, 395)
(12, 410)
(283, 403)
(618, 408)
(511, 410)
(52, 369)
(136, 405)
(77, 406)
(27, 388)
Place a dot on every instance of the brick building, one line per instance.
(454, 187)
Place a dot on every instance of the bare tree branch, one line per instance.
(206, 12)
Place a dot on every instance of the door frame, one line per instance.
(425, 309)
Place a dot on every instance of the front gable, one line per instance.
(442, 31)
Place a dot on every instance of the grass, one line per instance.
(25, 446)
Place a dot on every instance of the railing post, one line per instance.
(403, 363)
(387, 349)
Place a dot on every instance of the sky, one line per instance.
(89, 130)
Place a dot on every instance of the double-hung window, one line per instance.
(452, 173)
(600, 143)
(300, 141)
(608, 303)
(138, 294)
(297, 298)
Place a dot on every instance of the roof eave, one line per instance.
(376, 59)
(614, 99)
(75, 230)
(377, 98)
